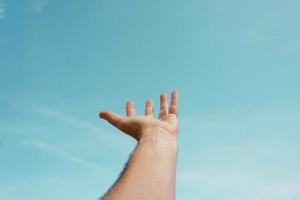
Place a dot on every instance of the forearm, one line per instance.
(151, 171)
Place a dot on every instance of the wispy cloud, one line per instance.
(2, 9)
(39, 5)
(75, 121)
(54, 114)
(225, 180)
(59, 151)
(265, 29)
(60, 116)
(280, 191)
(114, 140)
(237, 184)
(245, 154)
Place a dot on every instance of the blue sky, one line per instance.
(234, 63)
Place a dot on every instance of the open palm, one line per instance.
(136, 125)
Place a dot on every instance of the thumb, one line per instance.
(112, 117)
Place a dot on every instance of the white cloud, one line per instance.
(265, 29)
(59, 151)
(230, 183)
(51, 113)
(65, 184)
(112, 140)
(280, 191)
(74, 121)
(2, 9)
(65, 118)
(39, 5)
(233, 183)
(248, 154)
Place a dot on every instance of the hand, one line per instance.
(139, 126)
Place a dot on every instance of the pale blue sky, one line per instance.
(235, 64)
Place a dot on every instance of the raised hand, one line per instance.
(139, 126)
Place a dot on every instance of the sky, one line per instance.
(235, 64)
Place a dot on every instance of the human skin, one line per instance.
(151, 171)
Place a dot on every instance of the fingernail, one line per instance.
(101, 115)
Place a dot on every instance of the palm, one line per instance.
(135, 125)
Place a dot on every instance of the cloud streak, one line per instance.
(51, 113)
(237, 184)
(2, 9)
(113, 140)
(282, 191)
(68, 119)
(74, 121)
(61, 153)
(39, 5)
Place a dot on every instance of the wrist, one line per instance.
(159, 137)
